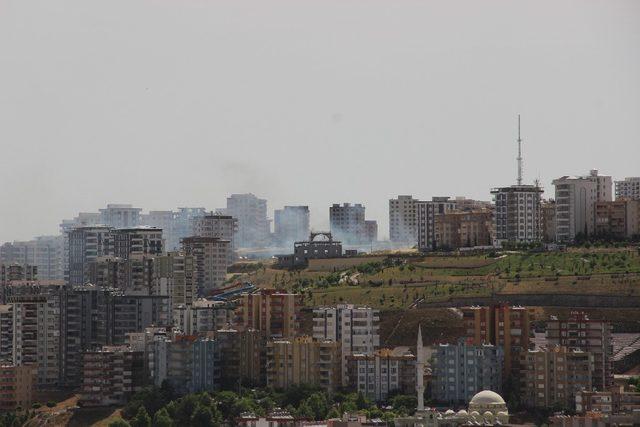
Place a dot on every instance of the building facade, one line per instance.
(273, 313)
(518, 214)
(17, 386)
(120, 216)
(211, 258)
(427, 212)
(403, 220)
(458, 229)
(253, 224)
(290, 224)
(628, 189)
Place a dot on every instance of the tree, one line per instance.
(119, 422)
(162, 419)
(142, 418)
(361, 401)
(318, 404)
(202, 417)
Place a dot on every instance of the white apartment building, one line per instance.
(211, 259)
(628, 189)
(120, 215)
(427, 210)
(140, 240)
(291, 224)
(202, 316)
(253, 224)
(356, 328)
(518, 213)
(403, 220)
(575, 203)
(166, 221)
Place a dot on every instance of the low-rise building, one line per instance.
(17, 386)
(457, 229)
(613, 401)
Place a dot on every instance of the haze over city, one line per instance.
(308, 103)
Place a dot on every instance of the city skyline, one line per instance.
(213, 99)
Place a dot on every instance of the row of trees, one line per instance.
(160, 407)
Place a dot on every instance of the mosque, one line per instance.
(486, 408)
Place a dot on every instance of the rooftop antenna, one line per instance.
(519, 154)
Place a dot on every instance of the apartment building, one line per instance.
(223, 227)
(274, 313)
(347, 223)
(518, 215)
(370, 230)
(17, 386)
(253, 224)
(141, 240)
(120, 216)
(578, 332)
(357, 329)
(132, 275)
(302, 360)
(188, 363)
(6, 333)
(211, 259)
(500, 325)
(458, 229)
(628, 189)
(548, 210)
(174, 275)
(242, 357)
(619, 219)
(17, 273)
(553, 376)
(426, 214)
(290, 224)
(85, 244)
(377, 374)
(36, 335)
(43, 252)
(613, 401)
(403, 220)
(111, 375)
(575, 203)
(461, 370)
(202, 316)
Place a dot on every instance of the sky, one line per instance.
(167, 103)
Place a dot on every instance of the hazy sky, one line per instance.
(166, 103)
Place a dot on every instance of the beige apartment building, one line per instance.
(17, 386)
(302, 360)
(553, 376)
(457, 229)
(628, 189)
(619, 219)
(612, 401)
(548, 210)
(273, 313)
(403, 220)
(211, 259)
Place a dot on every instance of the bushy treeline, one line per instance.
(160, 407)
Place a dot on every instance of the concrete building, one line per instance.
(553, 376)
(403, 220)
(426, 213)
(6, 333)
(174, 275)
(43, 252)
(120, 216)
(165, 221)
(579, 332)
(377, 374)
(223, 227)
(457, 229)
(203, 316)
(628, 189)
(36, 335)
(619, 219)
(17, 273)
(347, 223)
(17, 386)
(211, 259)
(355, 328)
(253, 225)
(462, 370)
(548, 210)
(613, 401)
(575, 203)
(319, 246)
(302, 360)
(141, 240)
(273, 313)
(242, 356)
(290, 224)
(518, 214)
(85, 245)
(500, 325)
(111, 375)
(370, 231)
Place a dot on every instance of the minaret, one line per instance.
(519, 154)
(420, 371)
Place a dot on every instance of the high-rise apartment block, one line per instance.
(461, 370)
(576, 197)
(403, 220)
(548, 210)
(618, 219)
(457, 229)
(552, 377)
(355, 328)
(241, 356)
(253, 224)
(628, 189)
(211, 259)
(142, 240)
(120, 216)
(503, 326)
(223, 227)
(85, 245)
(17, 386)
(291, 224)
(518, 215)
(427, 211)
(579, 332)
(43, 252)
(302, 360)
(384, 371)
(273, 313)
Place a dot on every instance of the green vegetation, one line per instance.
(159, 407)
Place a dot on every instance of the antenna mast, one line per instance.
(519, 154)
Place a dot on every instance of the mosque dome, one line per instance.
(487, 397)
